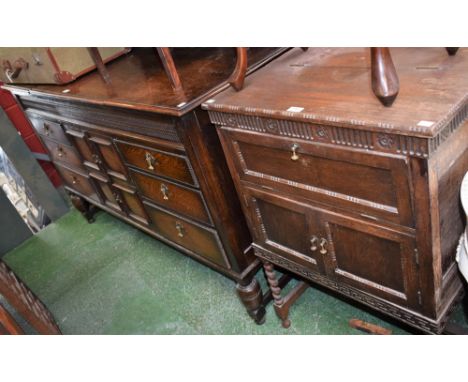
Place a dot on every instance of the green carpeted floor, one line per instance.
(110, 278)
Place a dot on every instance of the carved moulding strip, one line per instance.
(157, 125)
(25, 302)
(401, 314)
(451, 125)
(342, 136)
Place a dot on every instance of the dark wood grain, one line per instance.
(194, 237)
(332, 87)
(172, 196)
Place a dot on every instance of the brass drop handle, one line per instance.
(294, 155)
(96, 159)
(117, 197)
(150, 160)
(47, 129)
(323, 243)
(74, 180)
(313, 243)
(180, 229)
(165, 191)
(61, 153)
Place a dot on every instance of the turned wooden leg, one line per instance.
(282, 304)
(452, 51)
(20, 297)
(252, 297)
(385, 83)
(278, 301)
(238, 76)
(82, 205)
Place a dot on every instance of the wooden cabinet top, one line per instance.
(332, 86)
(139, 82)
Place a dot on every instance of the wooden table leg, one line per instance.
(87, 209)
(282, 304)
(252, 297)
(385, 83)
(170, 68)
(238, 76)
(101, 67)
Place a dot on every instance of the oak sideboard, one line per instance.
(349, 194)
(146, 153)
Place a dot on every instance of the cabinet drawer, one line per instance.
(48, 129)
(203, 241)
(133, 203)
(157, 162)
(63, 153)
(372, 258)
(78, 181)
(169, 195)
(374, 185)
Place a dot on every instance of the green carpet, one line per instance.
(110, 278)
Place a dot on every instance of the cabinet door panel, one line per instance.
(285, 227)
(374, 259)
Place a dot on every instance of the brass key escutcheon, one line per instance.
(294, 155)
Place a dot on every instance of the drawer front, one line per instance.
(203, 241)
(171, 196)
(48, 129)
(63, 153)
(158, 162)
(111, 198)
(133, 204)
(78, 181)
(373, 185)
(90, 159)
(108, 156)
(372, 258)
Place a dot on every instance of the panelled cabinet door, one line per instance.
(286, 228)
(371, 258)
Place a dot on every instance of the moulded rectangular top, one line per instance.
(333, 86)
